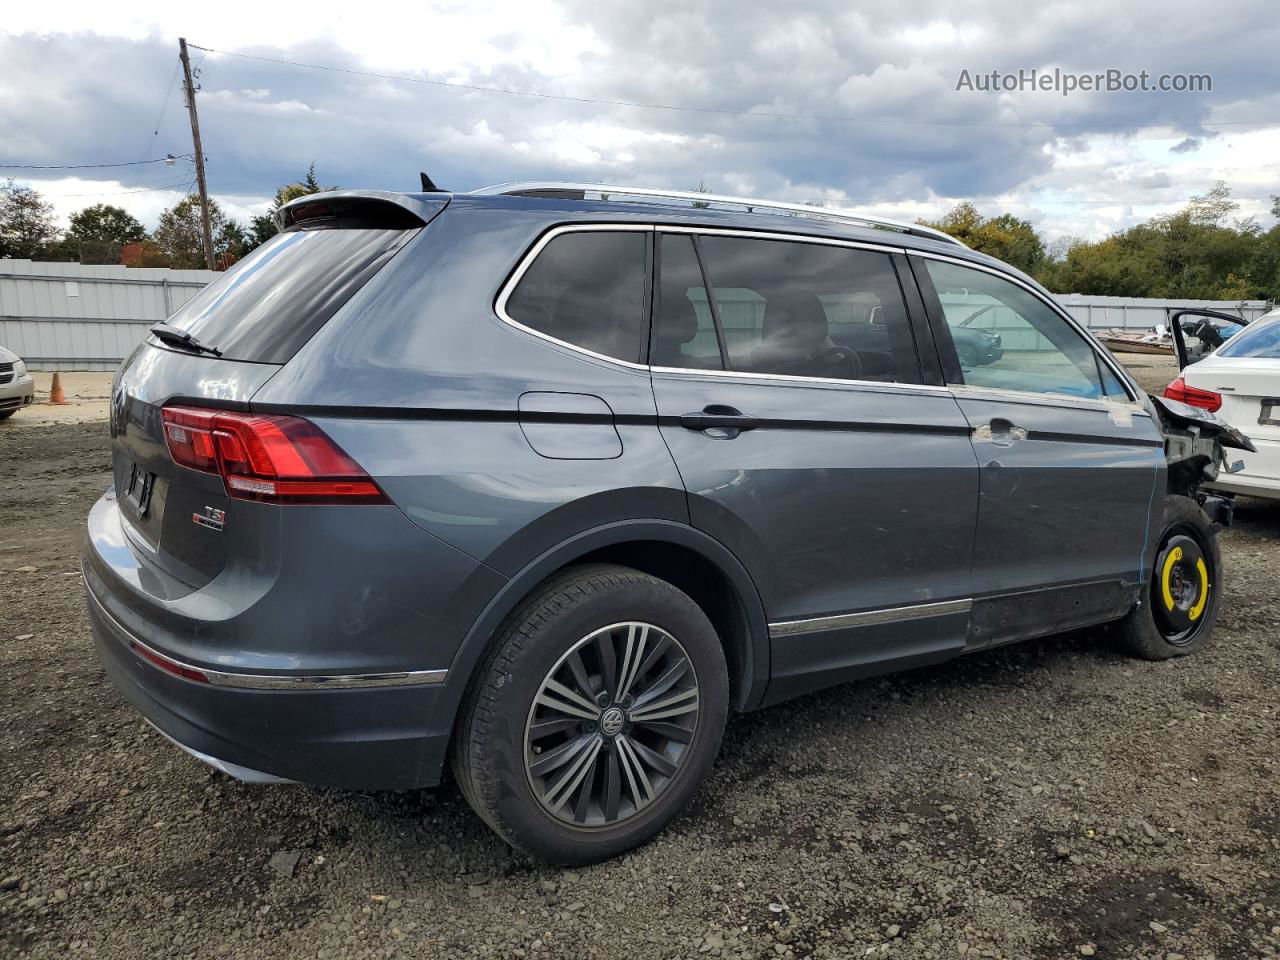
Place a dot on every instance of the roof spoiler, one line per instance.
(373, 209)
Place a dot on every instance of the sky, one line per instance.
(854, 104)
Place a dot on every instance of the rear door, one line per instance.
(1068, 460)
(789, 391)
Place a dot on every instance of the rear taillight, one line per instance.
(1193, 396)
(267, 457)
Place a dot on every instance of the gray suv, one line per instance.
(543, 482)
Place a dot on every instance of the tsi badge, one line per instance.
(211, 518)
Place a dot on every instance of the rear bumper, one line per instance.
(373, 738)
(1260, 476)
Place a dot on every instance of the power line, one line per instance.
(164, 105)
(90, 166)
(507, 91)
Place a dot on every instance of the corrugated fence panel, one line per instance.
(70, 316)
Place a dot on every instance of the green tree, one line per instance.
(102, 221)
(1202, 251)
(263, 227)
(180, 240)
(98, 234)
(27, 224)
(1005, 237)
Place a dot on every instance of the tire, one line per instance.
(1154, 631)
(6, 414)
(511, 739)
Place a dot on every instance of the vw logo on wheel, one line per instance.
(611, 722)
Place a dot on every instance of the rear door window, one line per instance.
(270, 303)
(803, 309)
(587, 289)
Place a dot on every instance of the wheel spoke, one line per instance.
(637, 779)
(544, 700)
(663, 683)
(612, 786)
(560, 791)
(657, 652)
(559, 756)
(670, 731)
(572, 696)
(585, 686)
(637, 636)
(545, 728)
(686, 701)
(608, 661)
(655, 760)
(583, 804)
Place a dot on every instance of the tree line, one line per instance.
(103, 233)
(1205, 251)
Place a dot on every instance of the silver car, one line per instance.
(17, 389)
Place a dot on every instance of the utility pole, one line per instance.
(207, 234)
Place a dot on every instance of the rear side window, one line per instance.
(587, 288)
(271, 302)
(797, 309)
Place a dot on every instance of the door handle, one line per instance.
(717, 416)
(1001, 432)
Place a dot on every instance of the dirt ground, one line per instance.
(1048, 800)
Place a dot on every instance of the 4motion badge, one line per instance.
(211, 518)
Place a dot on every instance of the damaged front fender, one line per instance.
(1195, 445)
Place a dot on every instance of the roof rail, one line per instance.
(567, 190)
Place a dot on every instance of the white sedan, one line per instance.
(1240, 382)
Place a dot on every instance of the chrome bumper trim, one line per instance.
(243, 774)
(792, 628)
(266, 681)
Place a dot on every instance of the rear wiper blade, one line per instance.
(178, 337)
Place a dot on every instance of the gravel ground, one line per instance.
(1045, 800)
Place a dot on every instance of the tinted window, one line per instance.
(807, 309)
(686, 332)
(1008, 338)
(1259, 340)
(271, 302)
(587, 289)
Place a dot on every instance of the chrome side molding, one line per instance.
(919, 611)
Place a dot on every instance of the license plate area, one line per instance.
(1269, 414)
(138, 487)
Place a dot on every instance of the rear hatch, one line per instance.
(217, 351)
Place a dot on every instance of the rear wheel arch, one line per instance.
(690, 560)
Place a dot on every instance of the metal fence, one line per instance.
(69, 316)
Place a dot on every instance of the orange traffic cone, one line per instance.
(55, 390)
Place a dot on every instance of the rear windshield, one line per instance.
(1261, 340)
(271, 302)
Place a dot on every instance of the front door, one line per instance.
(792, 402)
(1069, 462)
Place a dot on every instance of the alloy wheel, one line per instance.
(611, 724)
